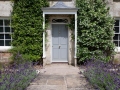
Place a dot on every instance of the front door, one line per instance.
(59, 43)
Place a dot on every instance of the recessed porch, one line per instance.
(59, 11)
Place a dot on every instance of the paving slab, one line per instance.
(60, 77)
(46, 87)
(39, 82)
(60, 69)
(56, 81)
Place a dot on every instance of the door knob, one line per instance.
(59, 47)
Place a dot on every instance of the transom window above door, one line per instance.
(59, 0)
(116, 0)
(5, 31)
(59, 21)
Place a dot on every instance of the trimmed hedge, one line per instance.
(95, 30)
(27, 23)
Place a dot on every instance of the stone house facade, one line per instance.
(59, 46)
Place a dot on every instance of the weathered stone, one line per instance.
(70, 88)
(39, 82)
(116, 59)
(49, 87)
(55, 82)
(67, 81)
(5, 56)
(5, 8)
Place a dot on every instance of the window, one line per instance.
(59, 20)
(5, 31)
(116, 0)
(59, 0)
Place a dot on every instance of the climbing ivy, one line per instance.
(95, 30)
(27, 23)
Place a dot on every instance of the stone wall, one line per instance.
(116, 58)
(69, 3)
(115, 12)
(5, 8)
(5, 56)
(114, 8)
(5, 11)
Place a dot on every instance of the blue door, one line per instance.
(59, 43)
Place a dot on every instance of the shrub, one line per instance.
(17, 76)
(27, 24)
(104, 76)
(95, 30)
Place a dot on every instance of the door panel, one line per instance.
(59, 43)
(63, 35)
(63, 53)
(55, 42)
(55, 53)
(55, 34)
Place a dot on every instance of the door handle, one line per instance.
(59, 47)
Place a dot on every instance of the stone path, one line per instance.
(60, 77)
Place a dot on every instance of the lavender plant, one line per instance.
(104, 76)
(17, 76)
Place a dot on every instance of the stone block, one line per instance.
(5, 8)
(116, 59)
(5, 56)
(49, 87)
(39, 82)
(56, 80)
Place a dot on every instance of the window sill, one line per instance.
(5, 48)
(117, 49)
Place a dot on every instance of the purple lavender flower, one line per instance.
(104, 76)
(17, 76)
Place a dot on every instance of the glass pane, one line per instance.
(1, 36)
(7, 29)
(7, 36)
(12, 30)
(65, 21)
(116, 29)
(119, 43)
(1, 42)
(7, 22)
(1, 29)
(116, 43)
(60, 20)
(116, 22)
(115, 37)
(7, 42)
(1, 22)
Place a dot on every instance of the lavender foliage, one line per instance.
(17, 76)
(104, 76)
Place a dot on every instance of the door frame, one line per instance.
(67, 43)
